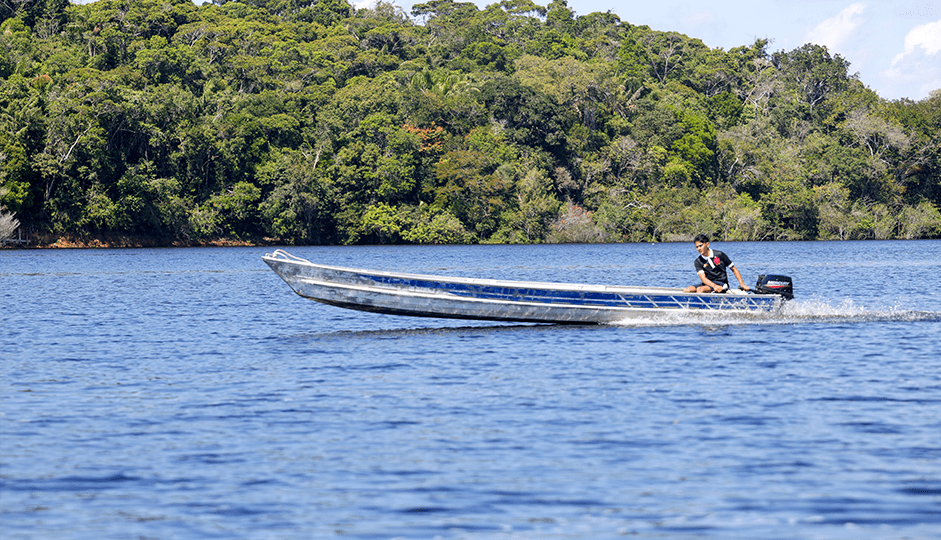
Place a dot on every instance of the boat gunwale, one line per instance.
(537, 285)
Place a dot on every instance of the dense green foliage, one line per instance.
(319, 123)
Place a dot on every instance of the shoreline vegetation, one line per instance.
(152, 123)
(118, 241)
(122, 241)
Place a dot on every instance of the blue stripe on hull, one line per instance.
(578, 298)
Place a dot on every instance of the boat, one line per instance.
(417, 295)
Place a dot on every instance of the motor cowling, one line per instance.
(772, 284)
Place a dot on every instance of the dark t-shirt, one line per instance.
(715, 271)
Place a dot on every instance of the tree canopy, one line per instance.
(316, 122)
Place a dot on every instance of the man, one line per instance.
(711, 267)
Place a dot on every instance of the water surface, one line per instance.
(188, 393)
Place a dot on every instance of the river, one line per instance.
(188, 394)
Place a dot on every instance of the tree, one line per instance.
(529, 118)
(664, 53)
(695, 149)
(588, 89)
(300, 202)
(529, 219)
(814, 73)
(920, 221)
(473, 185)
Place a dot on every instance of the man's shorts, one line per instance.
(725, 287)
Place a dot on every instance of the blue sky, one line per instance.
(894, 45)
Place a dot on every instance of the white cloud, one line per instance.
(834, 31)
(917, 67)
(924, 36)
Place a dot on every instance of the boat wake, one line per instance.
(793, 312)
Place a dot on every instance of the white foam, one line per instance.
(793, 312)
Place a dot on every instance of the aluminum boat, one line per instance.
(419, 295)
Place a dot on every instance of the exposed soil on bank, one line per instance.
(106, 241)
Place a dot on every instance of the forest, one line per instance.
(313, 122)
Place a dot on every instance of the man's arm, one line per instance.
(738, 276)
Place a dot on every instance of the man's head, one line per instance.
(702, 244)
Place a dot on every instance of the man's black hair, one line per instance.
(701, 238)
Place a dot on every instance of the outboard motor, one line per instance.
(781, 285)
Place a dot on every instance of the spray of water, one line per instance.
(793, 312)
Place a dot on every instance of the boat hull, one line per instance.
(495, 300)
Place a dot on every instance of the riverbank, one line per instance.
(110, 241)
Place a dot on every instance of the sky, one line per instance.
(894, 45)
